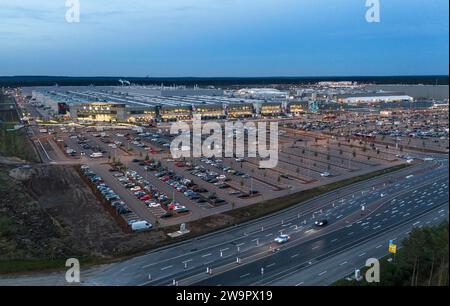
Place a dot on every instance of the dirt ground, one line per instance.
(48, 212)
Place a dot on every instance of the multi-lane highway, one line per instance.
(362, 218)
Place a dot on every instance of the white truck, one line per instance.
(140, 226)
(96, 155)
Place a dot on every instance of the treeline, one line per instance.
(217, 81)
(421, 261)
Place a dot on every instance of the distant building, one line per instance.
(373, 97)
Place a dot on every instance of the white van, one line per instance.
(96, 155)
(140, 226)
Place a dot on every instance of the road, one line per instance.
(393, 204)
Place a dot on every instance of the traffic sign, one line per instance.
(392, 248)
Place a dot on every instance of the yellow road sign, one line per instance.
(392, 248)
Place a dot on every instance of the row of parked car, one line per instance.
(114, 199)
(182, 185)
(148, 194)
(220, 180)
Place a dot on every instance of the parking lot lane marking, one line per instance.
(268, 235)
(322, 273)
(206, 255)
(378, 246)
(271, 265)
(244, 275)
(343, 263)
(362, 254)
(299, 284)
(295, 255)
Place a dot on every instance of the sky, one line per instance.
(224, 38)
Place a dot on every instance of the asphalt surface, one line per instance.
(393, 204)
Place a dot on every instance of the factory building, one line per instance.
(174, 113)
(244, 110)
(270, 109)
(373, 97)
(216, 111)
(99, 111)
(297, 108)
(141, 114)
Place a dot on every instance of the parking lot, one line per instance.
(135, 163)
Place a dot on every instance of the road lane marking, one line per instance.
(271, 265)
(165, 268)
(206, 255)
(378, 246)
(362, 254)
(244, 275)
(299, 284)
(322, 273)
(334, 240)
(343, 263)
(295, 255)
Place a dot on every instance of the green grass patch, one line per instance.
(422, 261)
(16, 143)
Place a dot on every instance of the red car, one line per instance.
(145, 197)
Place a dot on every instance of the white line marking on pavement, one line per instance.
(343, 263)
(322, 273)
(244, 275)
(165, 268)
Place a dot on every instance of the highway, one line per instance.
(362, 218)
(390, 202)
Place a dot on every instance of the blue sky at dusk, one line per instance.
(163, 38)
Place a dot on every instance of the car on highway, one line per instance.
(321, 223)
(282, 239)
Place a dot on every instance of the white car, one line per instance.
(282, 239)
(325, 174)
(153, 205)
